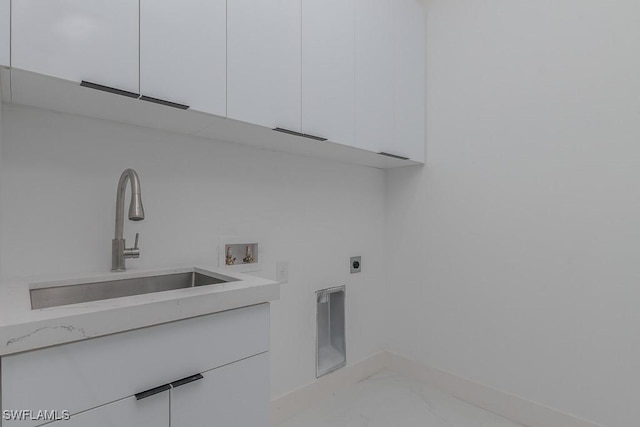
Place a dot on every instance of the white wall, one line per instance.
(59, 176)
(516, 250)
(1, 239)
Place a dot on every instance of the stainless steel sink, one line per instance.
(53, 296)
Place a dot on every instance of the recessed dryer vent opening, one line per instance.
(331, 349)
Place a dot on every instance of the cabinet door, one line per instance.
(328, 76)
(183, 52)
(409, 79)
(235, 395)
(263, 53)
(152, 411)
(93, 40)
(5, 29)
(374, 75)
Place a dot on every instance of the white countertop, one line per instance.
(22, 328)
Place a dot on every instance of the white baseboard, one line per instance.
(521, 410)
(290, 404)
(515, 408)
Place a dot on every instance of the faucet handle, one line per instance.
(133, 252)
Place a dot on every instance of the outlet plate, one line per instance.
(282, 271)
(355, 264)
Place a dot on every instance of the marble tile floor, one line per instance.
(388, 399)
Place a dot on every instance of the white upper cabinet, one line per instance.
(92, 40)
(374, 99)
(183, 52)
(5, 32)
(409, 79)
(263, 60)
(350, 71)
(328, 76)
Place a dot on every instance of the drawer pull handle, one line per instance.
(304, 135)
(165, 387)
(109, 89)
(163, 102)
(152, 391)
(395, 156)
(186, 380)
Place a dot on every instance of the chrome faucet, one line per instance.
(119, 252)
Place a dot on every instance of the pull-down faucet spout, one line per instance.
(119, 252)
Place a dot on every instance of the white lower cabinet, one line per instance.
(214, 369)
(130, 412)
(235, 395)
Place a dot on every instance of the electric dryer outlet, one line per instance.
(356, 264)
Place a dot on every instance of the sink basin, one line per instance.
(63, 294)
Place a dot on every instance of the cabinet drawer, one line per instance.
(129, 412)
(235, 395)
(86, 374)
